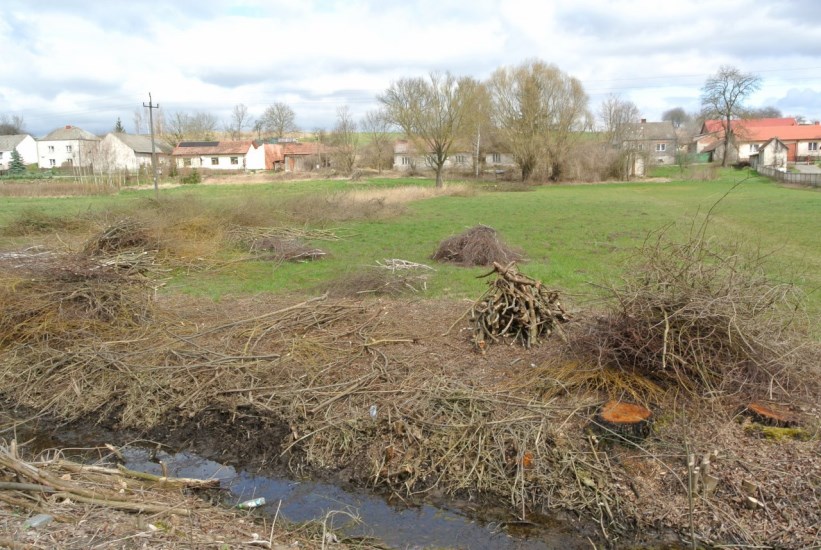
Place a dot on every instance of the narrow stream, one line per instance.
(424, 526)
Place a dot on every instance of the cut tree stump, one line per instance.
(628, 420)
(767, 415)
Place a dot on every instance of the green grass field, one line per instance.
(575, 237)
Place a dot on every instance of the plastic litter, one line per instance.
(253, 503)
(373, 411)
(40, 520)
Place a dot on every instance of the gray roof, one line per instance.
(141, 143)
(7, 143)
(651, 130)
(69, 132)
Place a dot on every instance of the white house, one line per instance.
(772, 154)
(129, 152)
(69, 146)
(23, 143)
(406, 157)
(220, 155)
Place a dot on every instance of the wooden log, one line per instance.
(628, 420)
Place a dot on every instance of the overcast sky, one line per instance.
(88, 62)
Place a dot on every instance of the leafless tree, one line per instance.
(138, 121)
(376, 126)
(199, 126)
(619, 119)
(11, 125)
(239, 119)
(722, 97)
(678, 116)
(344, 140)
(536, 109)
(279, 119)
(764, 112)
(433, 113)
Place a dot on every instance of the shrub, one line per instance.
(193, 177)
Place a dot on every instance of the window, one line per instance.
(52, 162)
(51, 148)
(460, 159)
(68, 148)
(641, 147)
(812, 146)
(754, 147)
(70, 162)
(234, 160)
(660, 147)
(406, 161)
(497, 158)
(1, 154)
(186, 162)
(215, 161)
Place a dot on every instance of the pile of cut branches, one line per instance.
(515, 306)
(479, 245)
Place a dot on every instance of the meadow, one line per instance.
(575, 238)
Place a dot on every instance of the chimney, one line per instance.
(644, 121)
(68, 126)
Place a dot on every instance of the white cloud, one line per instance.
(87, 62)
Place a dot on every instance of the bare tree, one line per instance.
(378, 129)
(619, 120)
(138, 121)
(344, 140)
(433, 113)
(678, 116)
(279, 119)
(199, 126)
(259, 124)
(11, 125)
(764, 112)
(722, 97)
(239, 119)
(536, 109)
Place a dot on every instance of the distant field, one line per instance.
(574, 236)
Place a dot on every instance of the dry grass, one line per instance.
(479, 245)
(54, 188)
(36, 222)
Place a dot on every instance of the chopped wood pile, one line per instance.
(515, 306)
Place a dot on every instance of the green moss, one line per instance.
(777, 434)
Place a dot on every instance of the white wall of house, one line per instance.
(404, 162)
(255, 158)
(773, 155)
(27, 149)
(118, 155)
(57, 153)
(810, 148)
(499, 159)
(234, 161)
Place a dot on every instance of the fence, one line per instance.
(813, 180)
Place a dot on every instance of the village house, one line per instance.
(220, 155)
(67, 146)
(24, 144)
(749, 135)
(303, 157)
(407, 158)
(129, 152)
(649, 143)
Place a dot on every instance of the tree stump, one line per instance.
(768, 416)
(628, 420)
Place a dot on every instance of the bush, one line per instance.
(193, 177)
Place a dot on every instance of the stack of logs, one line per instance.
(515, 306)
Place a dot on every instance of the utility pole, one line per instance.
(151, 108)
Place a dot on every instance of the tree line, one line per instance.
(534, 111)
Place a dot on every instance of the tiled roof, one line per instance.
(712, 126)
(7, 143)
(141, 143)
(784, 133)
(292, 149)
(68, 133)
(221, 148)
(651, 130)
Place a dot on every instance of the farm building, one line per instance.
(220, 155)
(129, 152)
